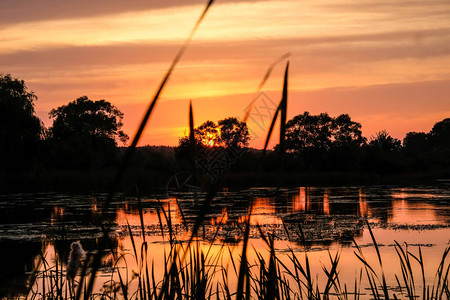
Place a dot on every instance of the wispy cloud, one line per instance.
(117, 51)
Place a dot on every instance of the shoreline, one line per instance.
(156, 182)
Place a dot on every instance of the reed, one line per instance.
(131, 149)
(197, 272)
(281, 109)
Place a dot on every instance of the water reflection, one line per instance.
(321, 216)
(30, 224)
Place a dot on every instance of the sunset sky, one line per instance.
(385, 63)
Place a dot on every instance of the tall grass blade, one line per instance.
(271, 67)
(123, 285)
(191, 125)
(183, 216)
(440, 272)
(225, 289)
(384, 285)
(141, 215)
(272, 286)
(332, 275)
(263, 81)
(422, 268)
(243, 276)
(158, 212)
(272, 125)
(445, 283)
(130, 150)
(281, 108)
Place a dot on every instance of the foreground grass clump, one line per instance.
(199, 270)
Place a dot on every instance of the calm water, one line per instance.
(330, 219)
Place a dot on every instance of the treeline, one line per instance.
(322, 143)
(84, 134)
(81, 150)
(85, 143)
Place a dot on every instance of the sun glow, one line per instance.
(210, 139)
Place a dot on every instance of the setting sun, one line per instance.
(210, 139)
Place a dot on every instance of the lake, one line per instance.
(307, 220)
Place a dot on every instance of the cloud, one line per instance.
(384, 6)
(23, 11)
(226, 22)
(416, 43)
(130, 71)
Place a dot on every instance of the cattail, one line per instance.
(75, 256)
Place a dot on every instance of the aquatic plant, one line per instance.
(196, 271)
(75, 256)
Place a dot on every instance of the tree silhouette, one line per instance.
(86, 118)
(20, 129)
(85, 133)
(208, 134)
(233, 133)
(211, 138)
(383, 154)
(346, 133)
(229, 132)
(324, 141)
(346, 144)
(309, 132)
(322, 132)
(440, 134)
(416, 143)
(384, 142)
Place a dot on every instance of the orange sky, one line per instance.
(386, 63)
